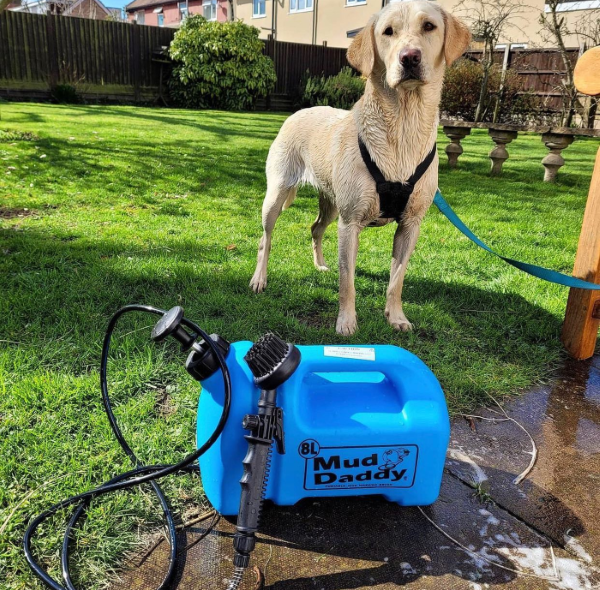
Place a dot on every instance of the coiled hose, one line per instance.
(139, 475)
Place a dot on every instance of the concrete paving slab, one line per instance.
(342, 544)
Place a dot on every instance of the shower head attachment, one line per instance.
(272, 361)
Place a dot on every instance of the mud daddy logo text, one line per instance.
(389, 466)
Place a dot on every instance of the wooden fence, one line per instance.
(115, 60)
(102, 58)
(293, 59)
(541, 71)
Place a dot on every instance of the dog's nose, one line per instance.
(410, 58)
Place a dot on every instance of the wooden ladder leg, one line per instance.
(582, 318)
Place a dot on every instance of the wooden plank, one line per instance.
(25, 35)
(17, 43)
(135, 59)
(69, 52)
(91, 51)
(86, 50)
(52, 53)
(114, 31)
(42, 43)
(5, 64)
(580, 328)
(101, 49)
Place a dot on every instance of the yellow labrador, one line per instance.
(402, 52)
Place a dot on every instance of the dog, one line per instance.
(402, 52)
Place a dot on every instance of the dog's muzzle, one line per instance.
(410, 61)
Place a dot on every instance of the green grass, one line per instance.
(104, 206)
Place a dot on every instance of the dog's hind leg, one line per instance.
(405, 240)
(272, 206)
(327, 213)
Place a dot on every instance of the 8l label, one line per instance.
(382, 466)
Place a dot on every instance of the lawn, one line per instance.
(102, 206)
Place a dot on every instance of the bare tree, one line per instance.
(587, 28)
(489, 20)
(554, 30)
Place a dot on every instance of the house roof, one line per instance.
(137, 4)
(73, 6)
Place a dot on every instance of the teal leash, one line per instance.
(537, 271)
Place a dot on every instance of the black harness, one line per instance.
(394, 196)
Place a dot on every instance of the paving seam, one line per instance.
(503, 508)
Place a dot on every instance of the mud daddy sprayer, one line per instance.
(345, 420)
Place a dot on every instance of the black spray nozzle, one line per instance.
(272, 361)
(201, 362)
(170, 325)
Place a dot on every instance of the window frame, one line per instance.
(259, 14)
(183, 10)
(350, 3)
(300, 10)
(212, 4)
(160, 19)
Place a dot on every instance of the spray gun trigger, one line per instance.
(279, 434)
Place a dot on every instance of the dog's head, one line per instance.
(407, 44)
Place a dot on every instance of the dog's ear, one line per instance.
(456, 38)
(361, 53)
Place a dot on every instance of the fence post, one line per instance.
(582, 318)
(136, 61)
(52, 53)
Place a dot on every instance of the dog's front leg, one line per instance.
(347, 250)
(405, 240)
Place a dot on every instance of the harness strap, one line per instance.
(394, 196)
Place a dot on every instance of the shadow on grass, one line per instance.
(47, 276)
(219, 123)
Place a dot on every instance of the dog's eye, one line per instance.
(389, 31)
(428, 26)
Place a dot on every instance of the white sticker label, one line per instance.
(350, 352)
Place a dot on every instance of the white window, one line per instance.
(183, 10)
(140, 16)
(502, 46)
(161, 20)
(355, 2)
(573, 5)
(301, 5)
(209, 9)
(259, 8)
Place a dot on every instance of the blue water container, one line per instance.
(358, 420)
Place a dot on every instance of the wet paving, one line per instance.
(543, 533)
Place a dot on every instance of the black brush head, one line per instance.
(272, 361)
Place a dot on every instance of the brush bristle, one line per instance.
(266, 355)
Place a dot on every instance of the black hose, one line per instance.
(139, 475)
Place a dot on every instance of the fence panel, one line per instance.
(102, 58)
(116, 59)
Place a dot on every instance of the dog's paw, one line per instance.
(258, 283)
(402, 325)
(346, 325)
(321, 267)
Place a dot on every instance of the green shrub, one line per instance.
(219, 65)
(65, 94)
(340, 91)
(462, 86)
